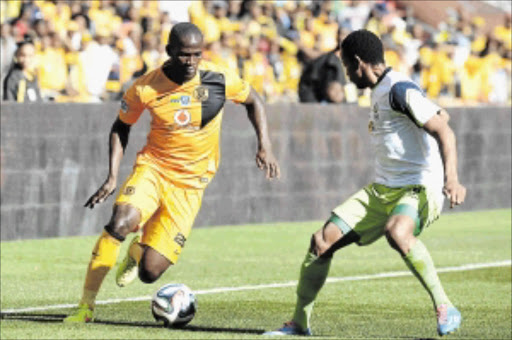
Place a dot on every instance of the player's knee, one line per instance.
(115, 232)
(318, 244)
(323, 242)
(399, 236)
(397, 231)
(118, 228)
(124, 220)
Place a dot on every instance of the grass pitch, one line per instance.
(48, 273)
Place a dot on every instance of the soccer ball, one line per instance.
(174, 304)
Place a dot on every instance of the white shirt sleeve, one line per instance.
(421, 108)
(407, 97)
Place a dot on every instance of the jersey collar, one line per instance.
(386, 71)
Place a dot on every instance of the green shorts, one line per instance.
(367, 211)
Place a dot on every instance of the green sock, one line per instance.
(313, 274)
(421, 265)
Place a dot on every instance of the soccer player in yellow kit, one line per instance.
(185, 98)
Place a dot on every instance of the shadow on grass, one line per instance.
(57, 318)
(33, 317)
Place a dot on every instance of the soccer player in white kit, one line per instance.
(415, 168)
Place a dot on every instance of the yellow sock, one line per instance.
(104, 256)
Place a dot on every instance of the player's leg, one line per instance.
(404, 224)
(334, 235)
(141, 190)
(166, 232)
(152, 265)
(104, 255)
(313, 273)
(351, 222)
(136, 202)
(127, 269)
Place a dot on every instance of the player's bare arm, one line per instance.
(118, 141)
(444, 114)
(265, 158)
(438, 127)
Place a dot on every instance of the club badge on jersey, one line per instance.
(200, 93)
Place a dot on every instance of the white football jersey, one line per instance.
(405, 153)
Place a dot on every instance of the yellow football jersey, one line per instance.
(183, 143)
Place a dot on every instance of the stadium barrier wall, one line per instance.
(54, 156)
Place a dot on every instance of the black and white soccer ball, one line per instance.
(174, 304)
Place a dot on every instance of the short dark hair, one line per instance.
(181, 30)
(24, 42)
(364, 44)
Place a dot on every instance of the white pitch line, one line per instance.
(471, 266)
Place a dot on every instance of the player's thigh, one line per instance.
(363, 214)
(141, 191)
(416, 205)
(168, 229)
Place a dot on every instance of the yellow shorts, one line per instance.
(167, 212)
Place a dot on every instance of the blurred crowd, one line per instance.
(92, 50)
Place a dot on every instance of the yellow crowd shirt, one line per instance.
(183, 142)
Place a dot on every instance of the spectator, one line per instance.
(130, 55)
(137, 74)
(24, 21)
(504, 32)
(234, 10)
(150, 54)
(269, 42)
(178, 10)
(52, 70)
(75, 8)
(20, 84)
(104, 18)
(472, 79)
(326, 31)
(412, 47)
(494, 74)
(97, 60)
(9, 10)
(40, 30)
(257, 69)
(7, 48)
(220, 11)
(78, 28)
(307, 41)
(355, 14)
(317, 81)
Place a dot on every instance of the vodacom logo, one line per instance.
(182, 117)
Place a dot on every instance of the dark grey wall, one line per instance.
(54, 156)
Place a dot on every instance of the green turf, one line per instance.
(50, 272)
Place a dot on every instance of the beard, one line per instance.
(362, 83)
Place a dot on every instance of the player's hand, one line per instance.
(103, 192)
(265, 160)
(455, 192)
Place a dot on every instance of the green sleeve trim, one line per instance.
(345, 228)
